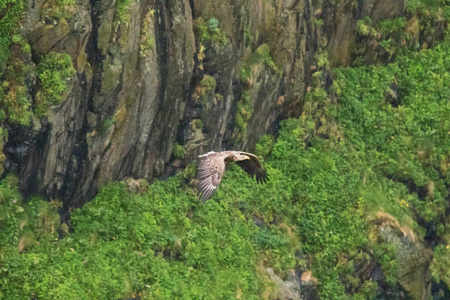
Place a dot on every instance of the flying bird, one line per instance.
(212, 167)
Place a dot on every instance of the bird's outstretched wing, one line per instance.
(253, 167)
(210, 171)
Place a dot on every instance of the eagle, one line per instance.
(212, 167)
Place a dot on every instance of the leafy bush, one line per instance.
(197, 124)
(204, 92)
(147, 38)
(58, 9)
(14, 97)
(54, 70)
(441, 264)
(265, 145)
(209, 31)
(121, 10)
(106, 124)
(12, 12)
(260, 56)
(243, 115)
(384, 39)
(179, 151)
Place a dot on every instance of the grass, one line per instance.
(54, 71)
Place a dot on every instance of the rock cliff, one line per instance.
(154, 76)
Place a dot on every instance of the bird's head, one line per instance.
(240, 157)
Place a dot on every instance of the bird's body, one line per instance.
(212, 167)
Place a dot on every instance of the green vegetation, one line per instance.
(244, 108)
(219, 97)
(197, 124)
(147, 45)
(106, 124)
(179, 151)
(58, 9)
(260, 56)
(441, 263)
(15, 103)
(243, 115)
(265, 145)
(12, 11)
(121, 12)
(204, 92)
(147, 39)
(248, 37)
(54, 71)
(14, 98)
(390, 37)
(365, 27)
(209, 31)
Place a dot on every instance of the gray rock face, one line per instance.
(289, 289)
(413, 260)
(139, 75)
(298, 285)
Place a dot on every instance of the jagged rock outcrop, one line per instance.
(154, 74)
(413, 260)
(133, 95)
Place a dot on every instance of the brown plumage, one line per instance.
(212, 167)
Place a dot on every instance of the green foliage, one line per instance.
(248, 37)
(260, 56)
(219, 97)
(440, 265)
(265, 145)
(209, 31)
(12, 11)
(381, 41)
(58, 9)
(213, 24)
(147, 39)
(14, 97)
(407, 129)
(429, 14)
(121, 12)
(386, 256)
(390, 26)
(204, 92)
(397, 116)
(197, 124)
(148, 45)
(414, 5)
(318, 23)
(208, 82)
(322, 59)
(123, 245)
(106, 124)
(10, 201)
(243, 115)
(179, 151)
(54, 70)
(365, 27)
